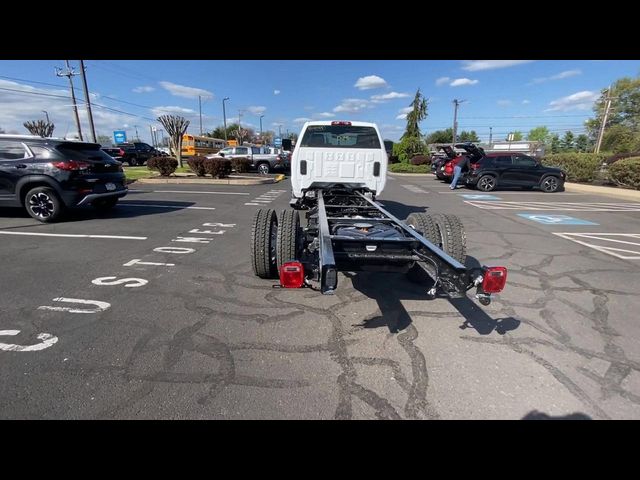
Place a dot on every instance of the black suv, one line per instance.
(137, 153)
(47, 175)
(510, 169)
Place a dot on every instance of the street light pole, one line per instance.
(261, 126)
(87, 100)
(69, 74)
(200, 108)
(47, 115)
(224, 116)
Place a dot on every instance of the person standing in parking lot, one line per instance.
(461, 166)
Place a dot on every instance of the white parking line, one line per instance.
(179, 207)
(632, 252)
(73, 235)
(494, 192)
(249, 203)
(564, 206)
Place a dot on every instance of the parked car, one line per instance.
(138, 153)
(264, 163)
(513, 169)
(48, 175)
(115, 153)
(439, 160)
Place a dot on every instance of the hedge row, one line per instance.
(216, 167)
(408, 168)
(626, 172)
(420, 160)
(165, 165)
(580, 167)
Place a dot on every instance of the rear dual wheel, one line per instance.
(274, 241)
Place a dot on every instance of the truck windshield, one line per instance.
(340, 136)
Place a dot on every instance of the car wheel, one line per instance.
(486, 183)
(43, 204)
(133, 162)
(550, 184)
(264, 250)
(104, 203)
(264, 169)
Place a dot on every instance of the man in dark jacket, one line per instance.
(461, 166)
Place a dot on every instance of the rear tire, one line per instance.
(133, 162)
(287, 244)
(264, 168)
(426, 225)
(453, 238)
(263, 243)
(487, 183)
(550, 184)
(44, 204)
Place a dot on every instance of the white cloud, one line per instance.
(526, 102)
(257, 110)
(577, 101)
(477, 65)
(301, 120)
(402, 116)
(442, 81)
(323, 115)
(352, 105)
(504, 103)
(184, 91)
(558, 76)
(405, 110)
(170, 110)
(459, 82)
(388, 96)
(369, 82)
(143, 89)
(276, 92)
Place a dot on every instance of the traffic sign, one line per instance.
(119, 136)
(277, 142)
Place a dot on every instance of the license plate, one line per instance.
(110, 186)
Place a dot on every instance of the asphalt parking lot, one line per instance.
(152, 311)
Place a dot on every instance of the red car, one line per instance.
(475, 154)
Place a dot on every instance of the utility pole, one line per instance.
(200, 107)
(153, 140)
(70, 73)
(224, 116)
(87, 100)
(137, 136)
(280, 131)
(240, 112)
(490, 135)
(261, 126)
(456, 104)
(604, 120)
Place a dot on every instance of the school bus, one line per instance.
(232, 143)
(193, 145)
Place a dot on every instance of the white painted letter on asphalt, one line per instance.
(192, 240)
(225, 225)
(137, 282)
(174, 250)
(136, 261)
(47, 341)
(209, 232)
(101, 306)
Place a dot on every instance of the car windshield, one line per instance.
(340, 136)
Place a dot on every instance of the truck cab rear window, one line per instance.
(340, 136)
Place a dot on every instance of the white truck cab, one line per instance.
(339, 152)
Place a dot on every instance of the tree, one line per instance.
(555, 143)
(104, 140)
(539, 134)
(582, 143)
(293, 136)
(417, 114)
(175, 126)
(517, 136)
(465, 136)
(567, 142)
(39, 127)
(620, 139)
(440, 136)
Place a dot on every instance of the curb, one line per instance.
(608, 191)
(410, 174)
(211, 181)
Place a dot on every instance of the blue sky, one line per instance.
(504, 94)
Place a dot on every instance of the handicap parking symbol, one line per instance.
(468, 196)
(555, 219)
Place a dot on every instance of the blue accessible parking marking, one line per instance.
(479, 196)
(555, 219)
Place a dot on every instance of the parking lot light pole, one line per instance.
(47, 115)
(261, 126)
(224, 118)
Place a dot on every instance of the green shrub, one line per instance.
(420, 160)
(580, 167)
(393, 159)
(408, 148)
(408, 168)
(165, 165)
(240, 164)
(620, 156)
(217, 167)
(626, 172)
(196, 164)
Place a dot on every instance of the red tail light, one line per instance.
(292, 275)
(494, 279)
(71, 165)
(121, 152)
(341, 123)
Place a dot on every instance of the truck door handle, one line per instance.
(21, 165)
